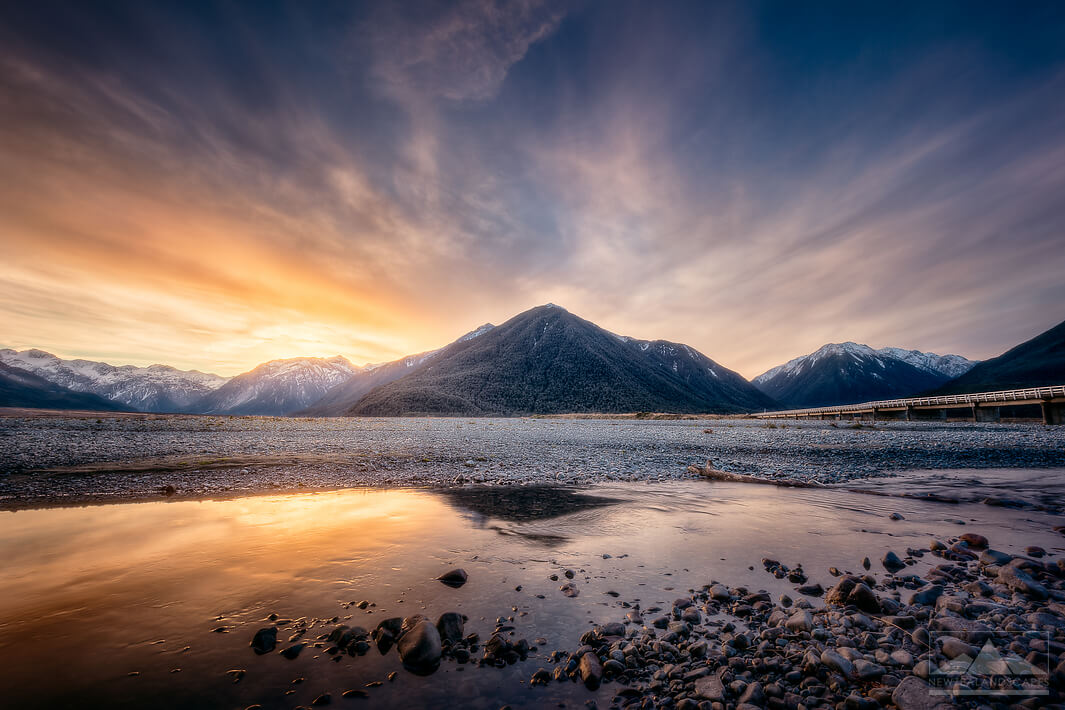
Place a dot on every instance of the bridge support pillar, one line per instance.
(908, 415)
(1053, 412)
(872, 415)
(985, 414)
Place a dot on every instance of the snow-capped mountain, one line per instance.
(846, 373)
(345, 395)
(948, 365)
(22, 388)
(278, 387)
(157, 388)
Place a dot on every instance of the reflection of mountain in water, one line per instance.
(525, 506)
(524, 503)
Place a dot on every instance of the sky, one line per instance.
(213, 185)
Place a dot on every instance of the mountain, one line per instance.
(157, 388)
(21, 388)
(277, 387)
(346, 395)
(848, 373)
(547, 361)
(1039, 361)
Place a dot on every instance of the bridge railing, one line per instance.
(1003, 396)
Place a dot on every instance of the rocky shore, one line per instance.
(980, 629)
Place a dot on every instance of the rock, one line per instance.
(450, 626)
(994, 557)
(354, 693)
(837, 596)
(591, 670)
(868, 671)
(293, 651)
(800, 621)
(710, 688)
(569, 589)
(753, 694)
(265, 640)
(892, 563)
(973, 632)
(915, 694)
(455, 578)
(570, 574)
(613, 629)
(977, 542)
(1035, 551)
(834, 661)
(862, 597)
(1020, 581)
(811, 590)
(866, 563)
(953, 647)
(323, 699)
(719, 593)
(896, 516)
(541, 677)
(419, 648)
(927, 596)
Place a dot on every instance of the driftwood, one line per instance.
(708, 471)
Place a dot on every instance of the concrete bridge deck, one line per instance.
(982, 406)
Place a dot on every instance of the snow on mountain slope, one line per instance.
(845, 373)
(157, 388)
(949, 366)
(278, 387)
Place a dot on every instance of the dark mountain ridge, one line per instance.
(1036, 362)
(549, 361)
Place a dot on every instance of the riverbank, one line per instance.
(57, 460)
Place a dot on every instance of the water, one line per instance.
(92, 594)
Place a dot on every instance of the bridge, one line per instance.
(981, 406)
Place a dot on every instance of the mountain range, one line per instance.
(1035, 362)
(547, 361)
(848, 373)
(543, 361)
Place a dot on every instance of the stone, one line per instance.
(834, 661)
(265, 640)
(455, 578)
(953, 647)
(892, 563)
(862, 597)
(293, 651)
(591, 671)
(837, 596)
(800, 621)
(419, 648)
(976, 542)
(569, 589)
(1020, 581)
(866, 670)
(710, 688)
(926, 596)
(915, 694)
(450, 626)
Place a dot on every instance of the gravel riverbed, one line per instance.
(76, 458)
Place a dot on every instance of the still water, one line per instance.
(117, 605)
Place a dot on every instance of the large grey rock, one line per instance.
(710, 688)
(419, 648)
(1020, 581)
(801, 620)
(454, 578)
(914, 694)
(892, 563)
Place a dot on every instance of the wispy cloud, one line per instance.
(374, 183)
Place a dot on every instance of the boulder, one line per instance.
(419, 648)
